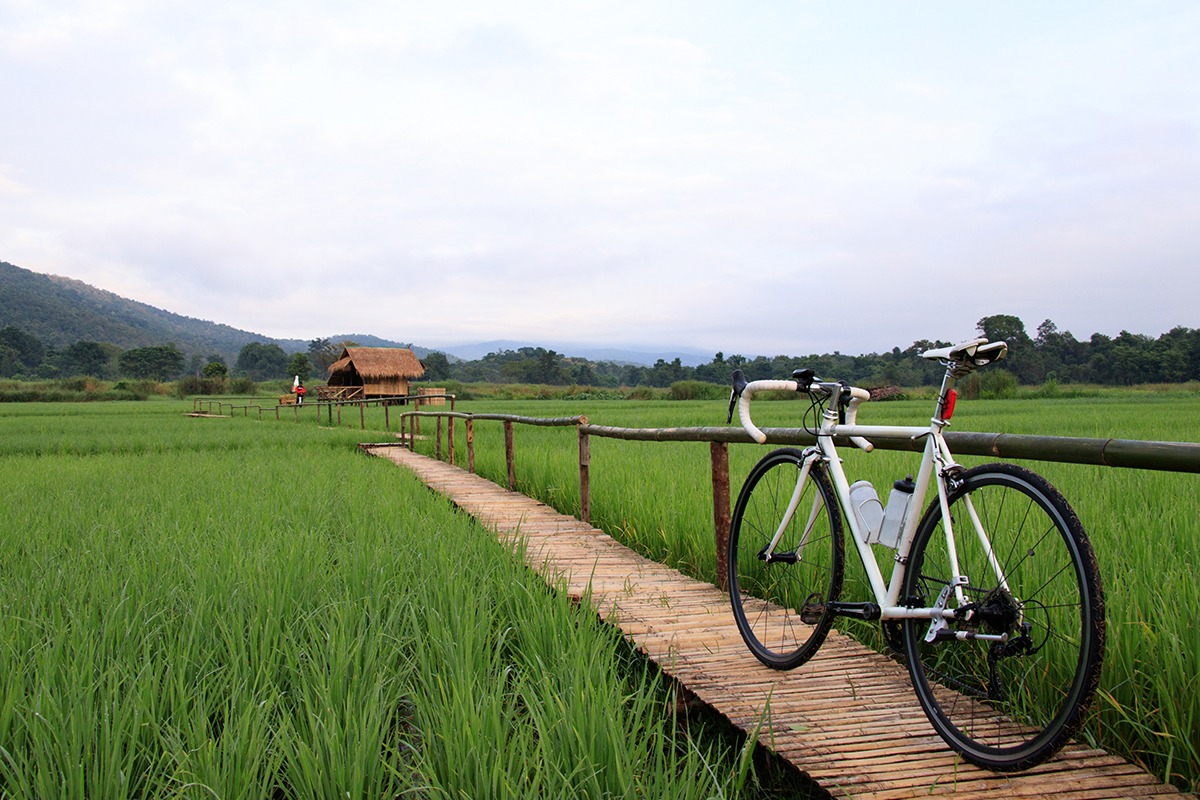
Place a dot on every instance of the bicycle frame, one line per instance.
(1005, 663)
(937, 463)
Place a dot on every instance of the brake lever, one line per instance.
(842, 400)
(739, 383)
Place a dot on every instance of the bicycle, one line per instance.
(994, 598)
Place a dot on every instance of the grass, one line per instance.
(163, 564)
(1145, 526)
(226, 608)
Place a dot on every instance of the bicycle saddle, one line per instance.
(977, 352)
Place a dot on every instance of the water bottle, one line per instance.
(867, 510)
(893, 518)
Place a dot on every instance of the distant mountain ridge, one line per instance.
(60, 311)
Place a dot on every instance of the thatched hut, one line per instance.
(365, 372)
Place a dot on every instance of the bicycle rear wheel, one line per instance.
(1007, 705)
(803, 571)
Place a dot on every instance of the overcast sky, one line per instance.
(751, 177)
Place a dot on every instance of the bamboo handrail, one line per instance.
(1126, 453)
(1123, 453)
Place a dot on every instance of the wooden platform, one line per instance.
(848, 718)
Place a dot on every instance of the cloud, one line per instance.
(774, 179)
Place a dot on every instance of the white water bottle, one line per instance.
(893, 517)
(868, 511)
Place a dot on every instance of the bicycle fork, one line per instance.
(768, 555)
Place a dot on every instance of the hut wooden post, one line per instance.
(439, 438)
(720, 484)
(362, 416)
(508, 454)
(470, 445)
(585, 460)
(387, 417)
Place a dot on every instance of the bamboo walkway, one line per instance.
(848, 718)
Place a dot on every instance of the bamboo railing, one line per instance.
(1124, 453)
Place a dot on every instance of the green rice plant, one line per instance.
(656, 497)
(208, 608)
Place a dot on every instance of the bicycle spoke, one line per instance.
(1009, 704)
(768, 585)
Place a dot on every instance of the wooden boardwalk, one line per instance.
(848, 718)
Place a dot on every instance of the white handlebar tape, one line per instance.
(744, 403)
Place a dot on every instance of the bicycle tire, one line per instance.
(764, 595)
(1017, 712)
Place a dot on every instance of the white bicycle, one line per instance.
(994, 598)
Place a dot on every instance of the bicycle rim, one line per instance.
(1011, 705)
(805, 571)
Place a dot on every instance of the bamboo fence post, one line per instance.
(508, 454)
(450, 437)
(470, 445)
(416, 421)
(439, 438)
(720, 486)
(585, 461)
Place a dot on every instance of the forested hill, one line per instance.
(60, 311)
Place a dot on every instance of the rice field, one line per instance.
(201, 608)
(1145, 526)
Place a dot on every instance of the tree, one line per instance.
(323, 352)
(262, 361)
(84, 358)
(437, 366)
(23, 351)
(300, 365)
(215, 369)
(1023, 358)
(159, 363)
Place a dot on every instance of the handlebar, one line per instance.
(852, 396)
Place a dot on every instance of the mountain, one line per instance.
(60, 311)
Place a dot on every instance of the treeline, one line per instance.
(24, 356)
(1050, 355)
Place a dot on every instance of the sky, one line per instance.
(758, 178)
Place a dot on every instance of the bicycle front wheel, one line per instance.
(780, 593)
(1031, 575)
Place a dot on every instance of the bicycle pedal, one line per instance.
(813, 609)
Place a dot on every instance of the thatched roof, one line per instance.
(373, 363)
